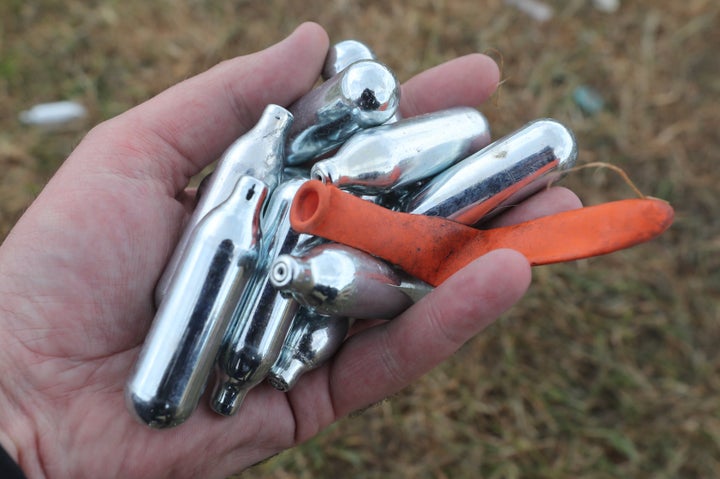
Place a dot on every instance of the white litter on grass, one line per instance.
(540, 11)
(53, 114)
(607, 6)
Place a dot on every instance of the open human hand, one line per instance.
(79, 269)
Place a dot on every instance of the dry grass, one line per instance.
(609, 367)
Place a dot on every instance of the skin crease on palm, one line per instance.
(79, 268)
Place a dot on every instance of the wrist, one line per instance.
(9, 467)
(7, 444)
(17, 434)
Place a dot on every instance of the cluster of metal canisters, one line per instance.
(246, 299)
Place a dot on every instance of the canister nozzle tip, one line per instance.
(228, 397)
(284, 376)
(282, 271)
(322, 171)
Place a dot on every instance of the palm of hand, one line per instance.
(80, 267)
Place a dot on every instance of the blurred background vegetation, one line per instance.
(609, 366)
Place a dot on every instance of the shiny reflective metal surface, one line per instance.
(182, 344)
(261, 322)
(337, 280)
(363, 95)
(399, 154)
(312, 340)
(499, 175)
(258, 153)
(343, 54)
(247, 298)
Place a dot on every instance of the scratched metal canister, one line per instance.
(258, 153)
(337, 280)
(180, 349)
(389, 157)
(261, 322)
(343, 54)
(498, 176)
(312, 340)
(363, 95)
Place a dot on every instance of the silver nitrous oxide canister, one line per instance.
(501, 174)
(363, 95)
(399, 154)
(182, 344)
(343, 54)
(337, 280)
(312, 340)
(258, 153)
(261, 321)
